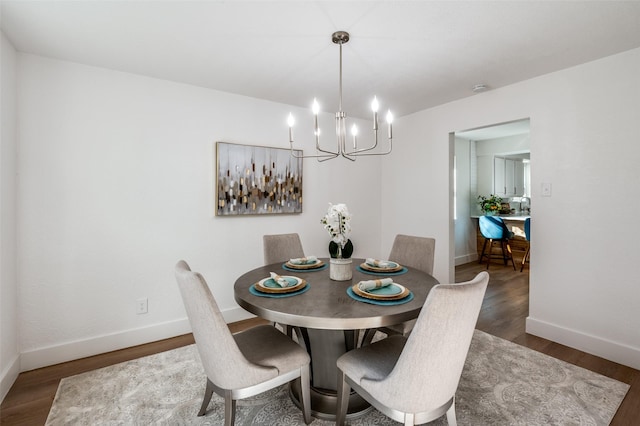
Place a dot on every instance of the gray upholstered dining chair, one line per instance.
(413, 380)
(414, 252)
(281, 247)
(243, 364)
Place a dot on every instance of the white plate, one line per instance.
(394, 268)
(268, 285)
(391, 292)
(318, 263)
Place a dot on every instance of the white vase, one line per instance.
(340, 269)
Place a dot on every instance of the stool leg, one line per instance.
(510, 255)
(505, 257)
(483, 247)
(490, 250)
(524, 259)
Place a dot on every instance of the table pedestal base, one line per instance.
(324, 403)
(325, 347)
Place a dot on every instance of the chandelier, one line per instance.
(340, 38)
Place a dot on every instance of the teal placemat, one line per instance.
(400, 272)
(286, 268)
(351, 294)
(255, 292)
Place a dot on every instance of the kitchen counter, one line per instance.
(515, 223)
(511, 216)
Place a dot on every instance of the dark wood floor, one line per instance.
(503, 314)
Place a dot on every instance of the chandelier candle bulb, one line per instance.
(291, 121)
(374, 108)
(354, 132)
(390, 120)
(316, 109)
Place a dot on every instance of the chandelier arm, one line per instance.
(356, 154)
(327, 156)
(334, 153)
(346, 155)
(375, 144)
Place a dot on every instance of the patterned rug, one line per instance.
(502, 384)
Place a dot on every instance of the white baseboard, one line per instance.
(9, 376)
(467, 258)
(594, 345)
(51, 355)
(236, 314)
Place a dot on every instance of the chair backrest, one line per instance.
(221, 358)
(414, 252)
(527, 228)
(493, 227)
(429, 368)
(281, 247)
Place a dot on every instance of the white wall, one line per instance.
(465, 228)
(584, 288)
(9, 348)
(117, 184)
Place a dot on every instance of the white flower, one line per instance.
(337, 223)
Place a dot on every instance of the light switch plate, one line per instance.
(546, 190)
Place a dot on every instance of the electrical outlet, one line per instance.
(142, 306)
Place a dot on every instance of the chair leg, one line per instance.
(306, 394)
(229, 409)
(510, 255)
(490, 250)
(368, 337)
(483, 247)
(208, 393)
(524, 258)
(505, 256)
(451, 414)
(409, 419)
(343, 399)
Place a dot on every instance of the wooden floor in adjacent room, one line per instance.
(503, 314)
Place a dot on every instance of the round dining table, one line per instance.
(327, 319)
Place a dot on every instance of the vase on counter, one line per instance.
(340, 263)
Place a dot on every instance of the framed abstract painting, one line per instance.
(257, 180)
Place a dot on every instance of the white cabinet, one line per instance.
(518, 180)
(508, 177)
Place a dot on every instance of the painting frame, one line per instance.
(254, 180)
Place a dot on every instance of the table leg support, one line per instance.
(325, 347)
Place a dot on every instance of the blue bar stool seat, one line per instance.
(494, 230)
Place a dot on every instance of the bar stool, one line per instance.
(493, 230)
(527, 225)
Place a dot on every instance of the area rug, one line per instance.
(502, 384)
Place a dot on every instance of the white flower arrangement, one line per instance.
(337, 223)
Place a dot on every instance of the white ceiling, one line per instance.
(412, 55)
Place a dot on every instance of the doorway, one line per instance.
(479, 155)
